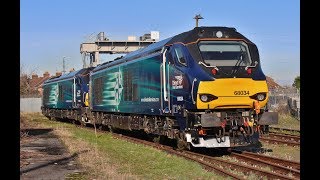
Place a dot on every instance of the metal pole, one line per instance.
(63, 65)
(197, 17)
(84, 56)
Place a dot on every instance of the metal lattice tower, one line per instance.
(91, 50)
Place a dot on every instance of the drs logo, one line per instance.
(241, 93)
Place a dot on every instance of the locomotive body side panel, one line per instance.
(132, 87)
(50, 95)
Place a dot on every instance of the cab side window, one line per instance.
(169, 55)
(180, 57)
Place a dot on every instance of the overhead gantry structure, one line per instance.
(91, 50)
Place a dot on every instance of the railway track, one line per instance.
(272, 137)
(285, 136)
(168, 149)
(284, 129)
(280, 168)
(278, 165)
(215, 163)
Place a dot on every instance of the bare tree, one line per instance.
(25, 79)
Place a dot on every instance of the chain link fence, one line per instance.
(285, 100)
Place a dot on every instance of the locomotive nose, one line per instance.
(231, 93)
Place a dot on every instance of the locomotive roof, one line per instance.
(185, 38)
(135, 54)
(205, 32)
(69, 75)
(150, 48)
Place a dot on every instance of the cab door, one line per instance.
(165, 85)
(178, 79)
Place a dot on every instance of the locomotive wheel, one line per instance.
(103, 127)
(84, 119)
(55, 118)
(182, 145)
(264, 129)
(181, 142)
(156, 139)
(189, 146)
(110, 128)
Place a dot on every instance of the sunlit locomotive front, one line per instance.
(228, 88)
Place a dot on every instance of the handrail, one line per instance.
(165, 96)
(74, 91)
(194, 80)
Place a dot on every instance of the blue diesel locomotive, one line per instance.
(64, 96)
(204, 87)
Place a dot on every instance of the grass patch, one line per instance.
(76, 175)
(143, 161)
(253, 176)
(287, 121)
(37, 120)
(283, 151)
(108, 158)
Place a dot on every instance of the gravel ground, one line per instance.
(43, 156)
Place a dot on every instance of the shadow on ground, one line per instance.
(44, 156)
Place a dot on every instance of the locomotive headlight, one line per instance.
(219, 34)
(204, 98)
(261, 97)
(207, 97)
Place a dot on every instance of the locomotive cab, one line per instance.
(230, 100)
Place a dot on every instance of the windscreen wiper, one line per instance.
(215, 67)
(238, 63)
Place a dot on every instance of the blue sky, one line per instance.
(50, 30)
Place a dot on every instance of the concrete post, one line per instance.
(96, 59)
